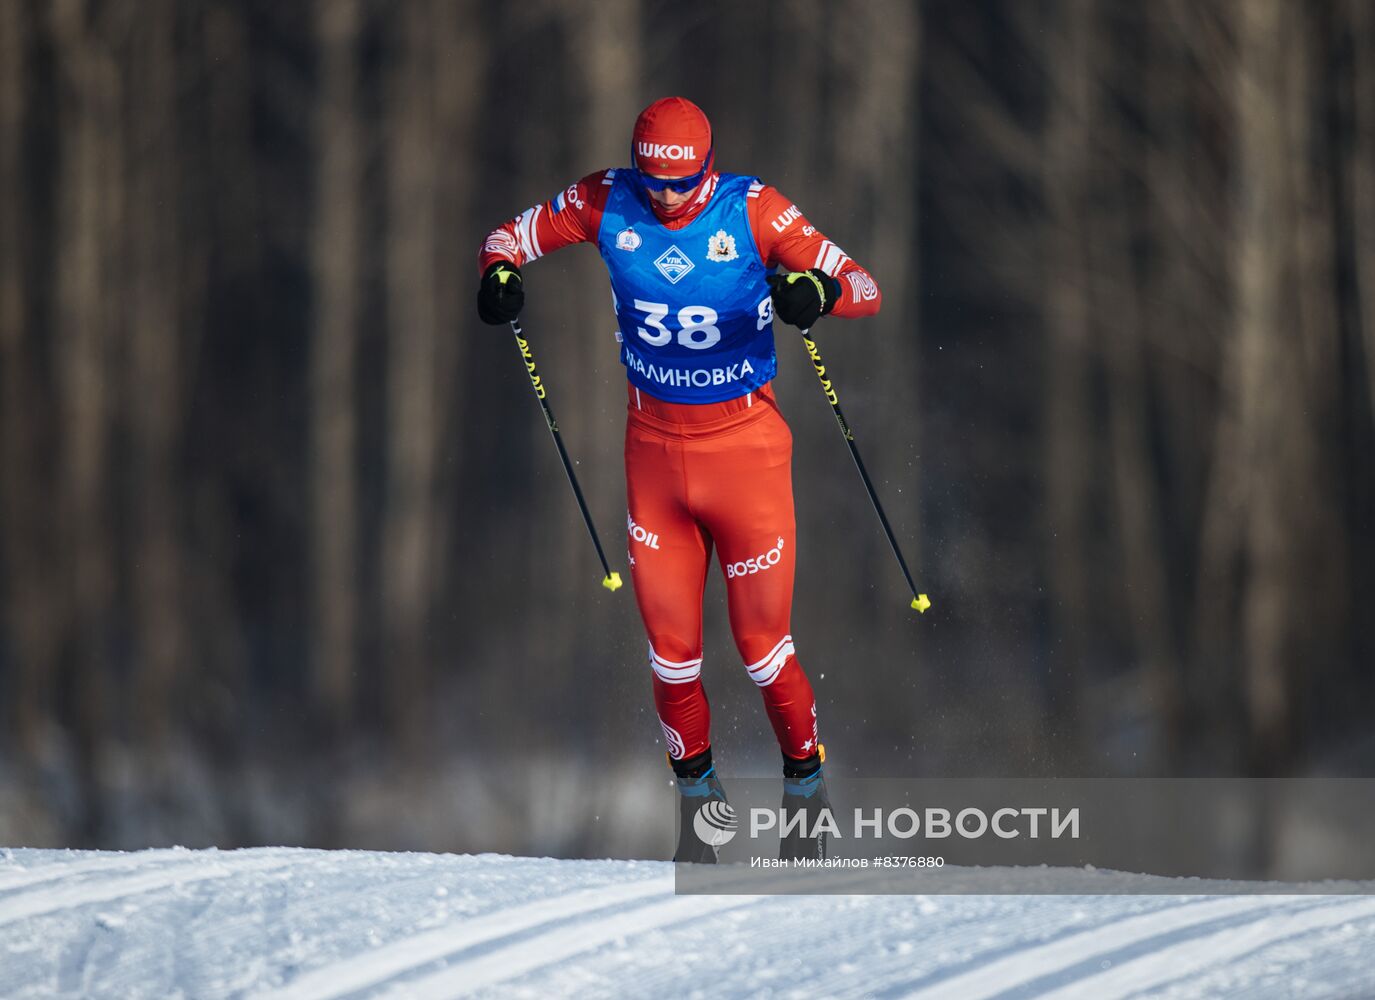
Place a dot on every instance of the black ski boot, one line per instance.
(703, 814)
(804, 792)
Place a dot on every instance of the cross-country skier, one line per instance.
(692, 255)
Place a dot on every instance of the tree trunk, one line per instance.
(1142, 575)
(611, 74)
(1360, 177)
(409, 514)
(1068, 420)
(334, 346)
(1283, 365)
(27, 582)
(153, 391)
(872, 213)
(1314, 495)
(90, 215)
(1184, 290)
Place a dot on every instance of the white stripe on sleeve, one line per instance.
(534, 232)
(525, 232)
(831, 258)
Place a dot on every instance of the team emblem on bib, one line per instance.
(673, 264)
(721, 247)
(628, 239)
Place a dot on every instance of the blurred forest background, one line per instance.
(286, 554)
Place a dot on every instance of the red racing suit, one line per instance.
(709, 475)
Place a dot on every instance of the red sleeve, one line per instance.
(784, 236)
(572, 216)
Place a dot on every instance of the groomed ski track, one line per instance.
(288, 923)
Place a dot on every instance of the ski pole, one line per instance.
(612, 580)
(919, 601)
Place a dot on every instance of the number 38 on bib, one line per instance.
(701, 331)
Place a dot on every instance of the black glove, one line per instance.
(803, 297)
(501, 294)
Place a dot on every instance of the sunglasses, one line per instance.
(681, 185)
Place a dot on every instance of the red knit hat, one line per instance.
(672, 138)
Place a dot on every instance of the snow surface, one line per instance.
(291, 923)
